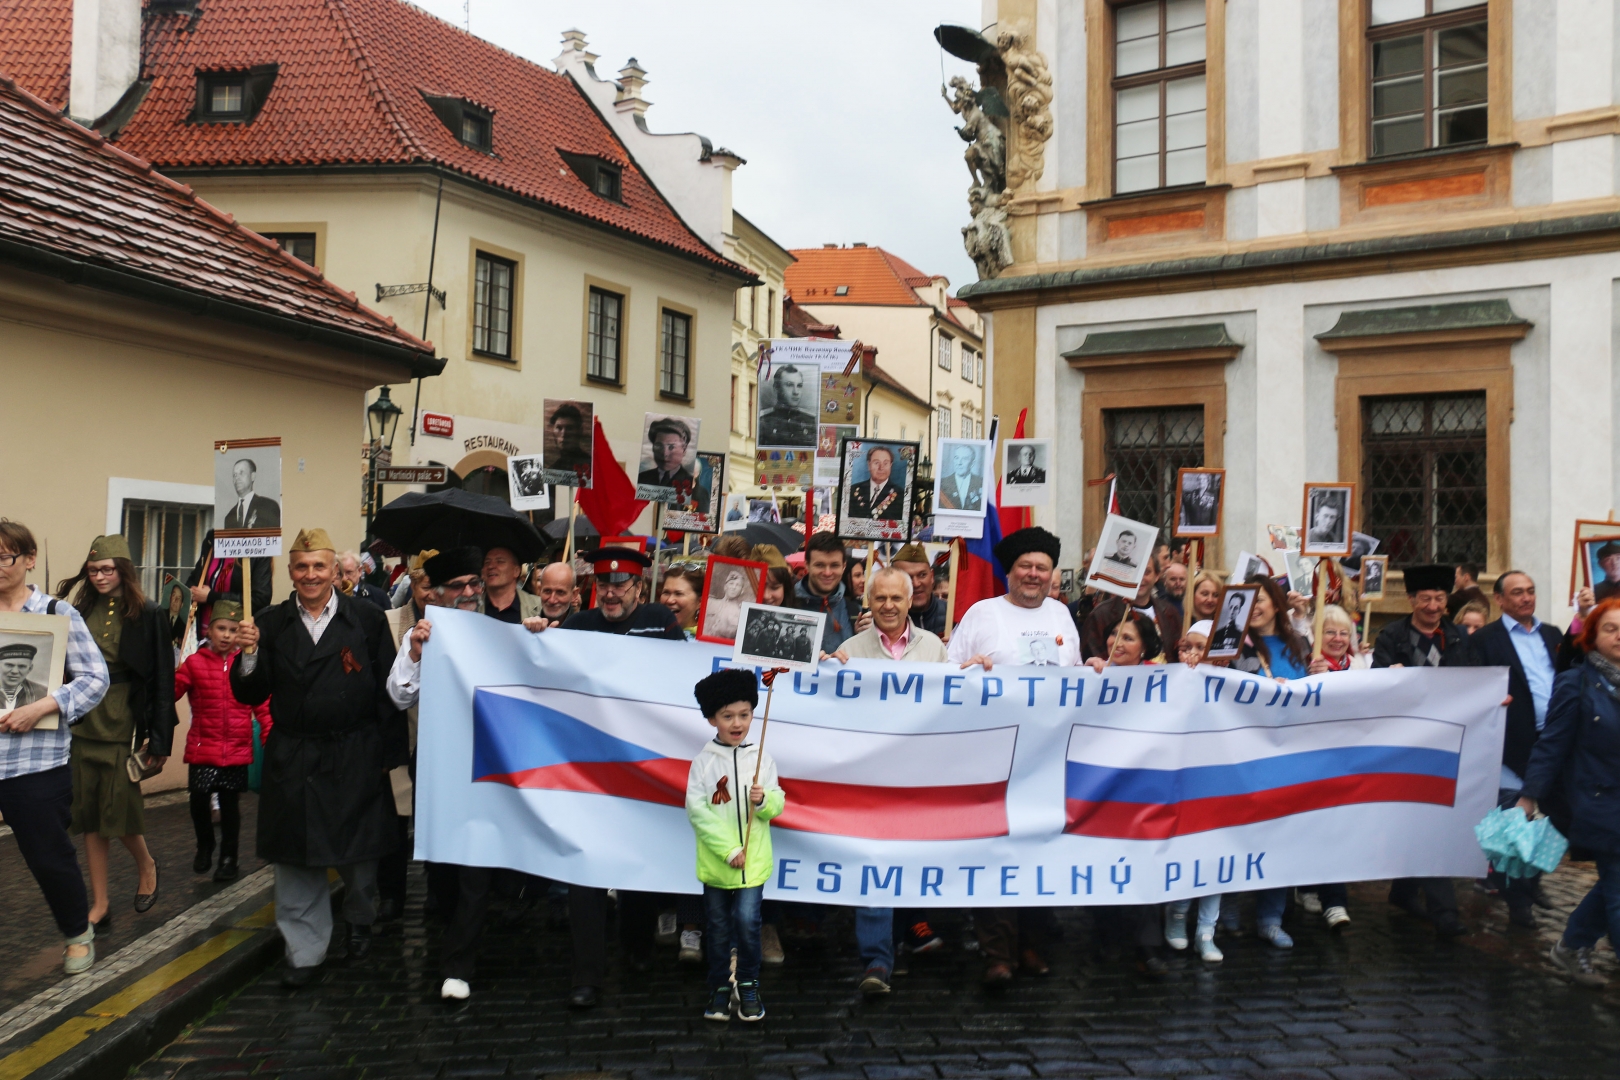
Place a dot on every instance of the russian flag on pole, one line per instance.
(1152, 785)
(865, 784)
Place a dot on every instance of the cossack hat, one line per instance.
(109, 547)
(1430, 576)
(312, 540)
(615, 564)
(446, 566)
(725, 687)
(19, 650)
(227, 609)
(1025, 541)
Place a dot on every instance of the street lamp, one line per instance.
(382, 417)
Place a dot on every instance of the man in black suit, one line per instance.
(250, 510)
(963, 489)
(1199, 503)
(1027, 472)
(1528, 648)
(878, 497)
(669, 439)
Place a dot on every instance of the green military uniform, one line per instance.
(104, 799)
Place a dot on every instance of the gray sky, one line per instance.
(834, 105)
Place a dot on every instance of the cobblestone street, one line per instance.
(1387, 1000)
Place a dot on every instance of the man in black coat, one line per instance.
(322, 659)
(1528, 648)
(1425, 639)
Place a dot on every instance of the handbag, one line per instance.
(141, 765)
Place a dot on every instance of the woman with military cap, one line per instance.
(137, 713)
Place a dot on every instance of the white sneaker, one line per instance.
(1175, 929)
(691, 947)
(1207, 952)
(666, 928)
(1311, 902)
(1337, 918)
(455, 990)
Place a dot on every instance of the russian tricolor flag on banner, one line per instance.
(865, 784)
(1149, 785)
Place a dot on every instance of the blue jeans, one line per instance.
(1599, 912)
(874, 934)
(1268, 907)
(733, 922)
(1209, 910)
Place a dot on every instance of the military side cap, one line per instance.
(1430, 576)
(109, 547)
(313, 540)
(614, 564)
(228, 609)
(912, 553)
(18, 650)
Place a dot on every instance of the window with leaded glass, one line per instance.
(675, 355)
(1159, 95)
(1429, 74)
(1423, 477)
(1143, 448)
(602, 336)
(492, 306)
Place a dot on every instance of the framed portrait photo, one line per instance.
(698, 510)
(570, 437)
(667, 472)
(1600, 566)
(1283, 537)
(1248, 564)
(1124, 550)
(1198, 501)
(1374, 568)
(1026, 472)
(963, 480)
(526, 482)
(876, 481)
(728, 584)
(1329, 509)
(1231, 621)
(247, 498)
(1582, 557)
(789, 406)
(33, 655)
(778, 637)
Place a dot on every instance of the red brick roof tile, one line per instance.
(349, 91)
(68, 194)
(872, 275)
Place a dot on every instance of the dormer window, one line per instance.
(472, 125)
(225, 97)
(603, 177)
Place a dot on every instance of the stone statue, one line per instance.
(986, 240)
(1029, 99)
(986, 154)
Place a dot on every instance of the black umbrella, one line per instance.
(769, 532)
(583, 529)
(456, 518)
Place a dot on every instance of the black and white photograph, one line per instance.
(1362, 545)
(33, 655)
(1066, 582)
(667, 472)
(1198, 501)
(875, 493)
(1026, 472)
(570, 435)
(699, 510)
(1328, 510)
(963, 479)
(728, 584)
(1231, 621)
(1248, 564)
(247, 497)
(779, 637)
(1373, 570)
(526, 483)
(1124, 550)
(1301, 568)
(789, 406)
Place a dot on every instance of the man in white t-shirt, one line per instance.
(1024, 627)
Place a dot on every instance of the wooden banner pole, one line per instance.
(1321, 608)
(770, 691)
(1187, 592)
(247, 588)
(657, 541)
(950, 588)
(573, 519)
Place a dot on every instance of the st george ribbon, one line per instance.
(565, 754)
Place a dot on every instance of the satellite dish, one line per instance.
(964, 43)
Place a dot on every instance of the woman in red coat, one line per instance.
(219, 746)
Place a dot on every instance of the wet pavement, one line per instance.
(1386, 1000)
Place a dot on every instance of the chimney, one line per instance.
(632, 77)
(106, 56)
(574, 41)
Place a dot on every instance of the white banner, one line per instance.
(565, 754)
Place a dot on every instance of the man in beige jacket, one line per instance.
(892, 635)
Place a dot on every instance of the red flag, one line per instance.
(610, 502)
(1014, 518)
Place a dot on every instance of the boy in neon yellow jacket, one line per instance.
(733, 860)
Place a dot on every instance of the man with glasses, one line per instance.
(619, 609)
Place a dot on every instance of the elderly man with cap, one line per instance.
(1425, 638)
(322, 659)
(927, 610)
(619, 609)
(1025, 626)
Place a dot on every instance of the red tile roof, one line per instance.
(796, 322)
(75, 205)
(349, 91)
(872, 275)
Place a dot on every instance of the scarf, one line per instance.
(1608, 671)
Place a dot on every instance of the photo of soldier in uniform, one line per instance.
(698, 510)
(1026, 467)
(526, 484)
(1328, 509)
(1198, 501)
(777, 637)
(1231, 621)
(1124, 550)
(668, 469)
(789, 405)
(961, 488)
(570, 434)
(875, 490)
(1373, 569)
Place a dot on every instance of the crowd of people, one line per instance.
(313, 701)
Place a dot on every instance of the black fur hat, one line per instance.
(726, 687)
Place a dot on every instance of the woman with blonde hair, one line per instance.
(1339, 651)
(1205, 591)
